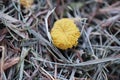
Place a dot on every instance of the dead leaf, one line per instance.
(10, 62)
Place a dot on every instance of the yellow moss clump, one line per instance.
(26, 3)
(65, 33)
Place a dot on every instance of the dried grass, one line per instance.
(26, 48)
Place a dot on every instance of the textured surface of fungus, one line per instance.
(65, 33)
(26, 3)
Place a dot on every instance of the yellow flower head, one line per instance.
(26, 3)
(65, 33)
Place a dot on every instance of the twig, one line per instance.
(91, 62)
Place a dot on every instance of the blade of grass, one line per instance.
(24, 53)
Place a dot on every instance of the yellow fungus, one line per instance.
(26, 3)
(65, 33)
